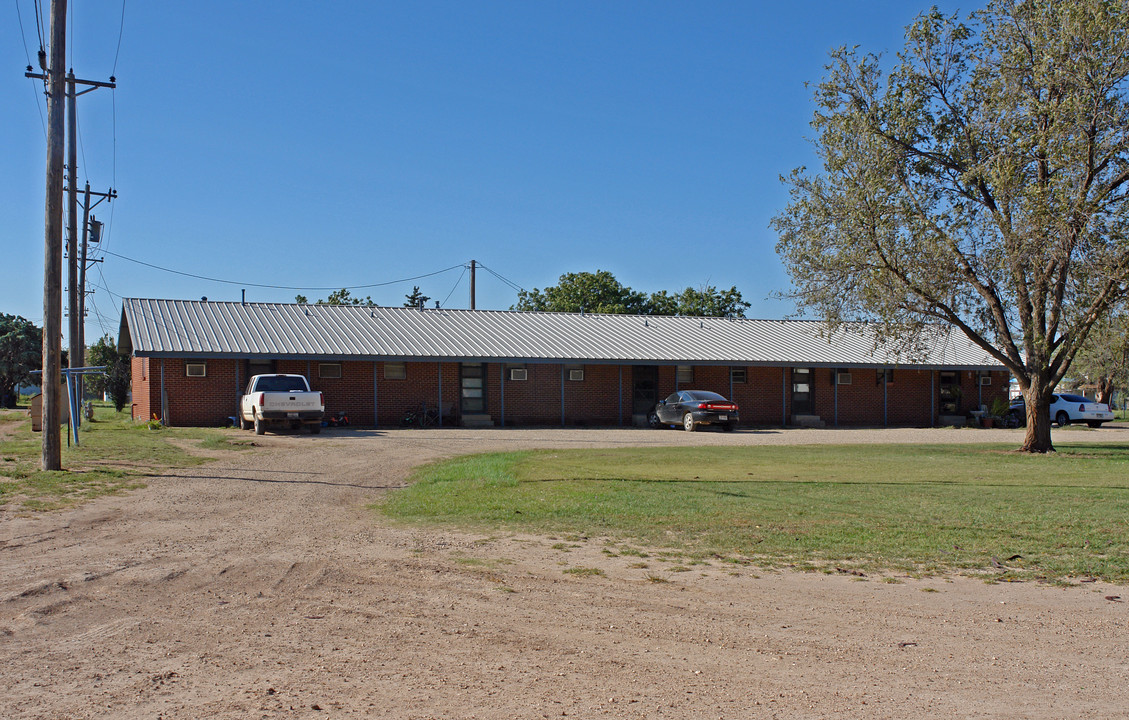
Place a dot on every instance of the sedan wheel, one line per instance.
(653, 420)
(1062, 418)
(688, 423)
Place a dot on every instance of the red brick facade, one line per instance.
(370, 393)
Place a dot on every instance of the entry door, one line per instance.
(803, 399)
(644, 389)
(950, 392)
(472, 385)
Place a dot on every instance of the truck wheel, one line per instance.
(243, 424)
(260, 426)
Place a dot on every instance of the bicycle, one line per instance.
(423, 417)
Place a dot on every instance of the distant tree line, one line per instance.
(601, 292)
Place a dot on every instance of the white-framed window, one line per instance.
(575, 372)
(739, 375)
(985, 379)
(196, 368)
(329, 370)
(517, 372)
(685, 375)
(395, 371)
(843, 377)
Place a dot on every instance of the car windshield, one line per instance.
(702, 395)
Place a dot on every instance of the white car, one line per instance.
(1066, 409)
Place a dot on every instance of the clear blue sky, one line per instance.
(328, 145)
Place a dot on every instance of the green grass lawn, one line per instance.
(115, 454)
(923, 510)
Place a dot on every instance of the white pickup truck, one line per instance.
(283, 400)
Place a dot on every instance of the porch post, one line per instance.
(621, 396)
(439, 365)
(375, 406)
(783, 397)
(502, 390)
(562, 395)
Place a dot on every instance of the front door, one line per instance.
(644, 391)
(803, 399)
(472, 388)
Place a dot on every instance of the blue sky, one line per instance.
(328, 145)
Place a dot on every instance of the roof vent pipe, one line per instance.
(420, 305)
(243, 301)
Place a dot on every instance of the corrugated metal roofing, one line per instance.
(198, 329)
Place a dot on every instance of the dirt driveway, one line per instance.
(259, 586)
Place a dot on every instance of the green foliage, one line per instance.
(21, 351)
(116, 379)
(979, 182)
(601, 292)
(1103, 360)
(416, 298)
(338, 297)
(597, 292)
(929, 509)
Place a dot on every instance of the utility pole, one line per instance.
(472, 264)
(59, 89)
(91, 233)
(52, 241)
(76, 354)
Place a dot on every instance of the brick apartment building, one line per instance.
(191, 360)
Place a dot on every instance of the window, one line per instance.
(843, 377)
(196, 369)
(395, 371)
(739, 375)
(575, 372)
(884, 375)
(329, 370)
(517, 372)
(985, 379)
(685, 375)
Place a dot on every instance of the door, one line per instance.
(950, 392)
(803, 398)
(644, 390)
(472, 388)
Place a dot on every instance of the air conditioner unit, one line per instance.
(985, 379)
(576, 375)
(518, 374)
(844, 378)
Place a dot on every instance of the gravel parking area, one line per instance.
(260, 585)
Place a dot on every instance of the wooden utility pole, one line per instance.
(52, 242)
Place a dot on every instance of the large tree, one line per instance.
(597, 292)
(1103, 361)
(980, 181)
(21, 345)
(601, 292)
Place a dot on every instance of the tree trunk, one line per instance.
(1105, 390)
(1038, 404)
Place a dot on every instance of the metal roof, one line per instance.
(203, 329)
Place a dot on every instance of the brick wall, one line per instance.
(602, 398)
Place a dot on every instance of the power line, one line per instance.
(117, 52)
(282, 287)
(512, 284)
(461, 275)
(34, 92)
